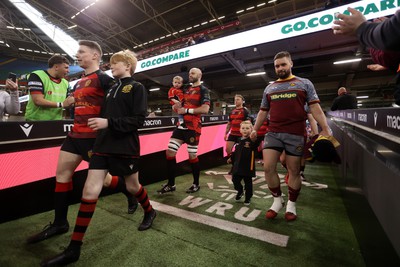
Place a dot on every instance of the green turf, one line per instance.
(322, 235)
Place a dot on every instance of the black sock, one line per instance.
(195, 170)
(171, 169)
(61, 202)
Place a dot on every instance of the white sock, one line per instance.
(291, 207)
(278, 204)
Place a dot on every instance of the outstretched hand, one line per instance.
(376, 67)
(348, 24)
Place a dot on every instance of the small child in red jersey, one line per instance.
(175, 95)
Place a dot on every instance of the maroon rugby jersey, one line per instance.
(286, 101)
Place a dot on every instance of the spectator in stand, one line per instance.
(9, 102)
(202, 38)
(331, 4)
(344, 100)
(190, 41)
(386, 60)
(383, 36)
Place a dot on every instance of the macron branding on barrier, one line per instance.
(152, 123)
(363, 117)
(393, 122)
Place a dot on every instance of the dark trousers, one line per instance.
(248, 185)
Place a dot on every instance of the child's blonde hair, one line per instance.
(126, 56)
(247, 122)
(178, 78)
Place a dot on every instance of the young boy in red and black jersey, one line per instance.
(243, 160)
(175, 95)
(196, 101)
(116, 150)
(89, 93)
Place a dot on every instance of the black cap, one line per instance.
(320, 148)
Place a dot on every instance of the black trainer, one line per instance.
(48, 231)
(67, 256)
(147, 220)
(247, 202)
(193, 188)
(166, 189)
(239, 196)
(132, 205)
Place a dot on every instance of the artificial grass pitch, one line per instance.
(206, 228)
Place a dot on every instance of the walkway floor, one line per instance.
(207, 228)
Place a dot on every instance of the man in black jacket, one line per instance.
(344, 100)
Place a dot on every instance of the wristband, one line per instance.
(59, 104)
(190, 111)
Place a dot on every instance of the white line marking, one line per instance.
(228, 178)
(244, 230)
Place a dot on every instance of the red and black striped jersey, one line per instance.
(194, 97)
(263, 129)
(236, 117)
(175, 93)
(89, 94)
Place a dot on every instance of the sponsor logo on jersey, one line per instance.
(283, 96)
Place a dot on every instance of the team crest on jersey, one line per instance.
(247, 144)
(191, 139)
(90, 153)
(88, 82)
(127, 88)
(49, 92)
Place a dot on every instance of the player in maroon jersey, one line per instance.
(284, 101)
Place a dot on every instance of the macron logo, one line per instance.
(26, 128)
